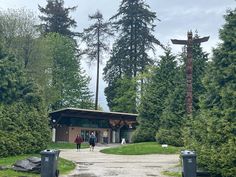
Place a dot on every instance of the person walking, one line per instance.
(78, 141)
(92, 141)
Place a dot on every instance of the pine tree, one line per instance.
(56, 18)
(95, 39)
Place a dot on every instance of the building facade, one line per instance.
(109, 127)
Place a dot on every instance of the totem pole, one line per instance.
(189, 67)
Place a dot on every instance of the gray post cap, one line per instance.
(188, 153)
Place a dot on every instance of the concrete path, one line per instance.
(97, 164)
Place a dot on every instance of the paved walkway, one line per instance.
(97, 164)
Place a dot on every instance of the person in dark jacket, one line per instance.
(78, 141)
(92, 141)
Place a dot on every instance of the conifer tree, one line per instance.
(134, 22)
(56, 18)
(23, 117)
(95, 38)
(160, 85)
(213, 132)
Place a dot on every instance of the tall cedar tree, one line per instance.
(160, 85)
(134, 22)
(95, 38)
(56, 18)
(23, 117)
(213, 133)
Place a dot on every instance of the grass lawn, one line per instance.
(64, 166)
(141, 149)
(66, 145)
(176, 174)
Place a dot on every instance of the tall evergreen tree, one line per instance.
(213, 133)
(200, 59)
(174, 115)
(99, 31)
(160, 85)
(134, 21)
(174, 111)
(56, 18)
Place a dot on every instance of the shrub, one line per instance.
(169, 136)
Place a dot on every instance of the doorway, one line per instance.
(86, 134)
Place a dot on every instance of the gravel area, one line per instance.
(97, 164)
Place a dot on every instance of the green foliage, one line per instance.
(163, 102)
(168, 173)
(160, 84)
(56, 18)
(213, 131)
(23, 129)
(125, 96)
(145, 132)
(11, 87)
(68, 81)
(171, 136)
(129, 56)
(18, 33)
(200, 65)
(23, 119)
(141, 149)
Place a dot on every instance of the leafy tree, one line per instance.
(68, 80)
(134, 22)
(99, 31)
(56, 18)
(213, 132)
(18, 33)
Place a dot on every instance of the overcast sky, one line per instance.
(177, 17)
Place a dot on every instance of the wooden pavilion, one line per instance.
(109, 127)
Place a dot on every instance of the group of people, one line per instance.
(92, 141)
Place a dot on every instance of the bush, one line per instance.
(143, 135)
(23, 129)
(169, 136)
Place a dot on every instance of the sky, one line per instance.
(176, 18)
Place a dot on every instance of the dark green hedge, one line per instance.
(23, 129)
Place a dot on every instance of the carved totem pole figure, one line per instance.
(189, 67)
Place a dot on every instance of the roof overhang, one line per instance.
(92, 114)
